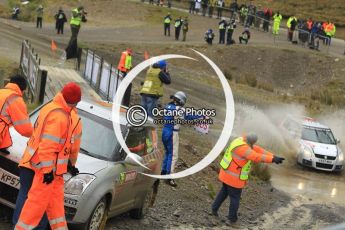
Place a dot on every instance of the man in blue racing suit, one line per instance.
(170, 135)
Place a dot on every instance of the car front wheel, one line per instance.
(99, 216)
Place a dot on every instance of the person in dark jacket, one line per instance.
(293, 26)
(204, 4)
(245, 36)
(233, 9)
(267, 18)
(167, 21)
(222, 30)
(209, 36)
(178, 25)
(60, 19)
(231, 27)
(39, 19)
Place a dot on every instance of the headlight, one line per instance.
(307, 153)
(78, 184)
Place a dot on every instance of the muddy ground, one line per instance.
(281, 206)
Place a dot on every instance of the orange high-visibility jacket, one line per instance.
(125, 62)
(13, 112)
(309, 24)
(240, 156)
(56, 138)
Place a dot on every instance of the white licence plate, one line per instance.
(325, 161)
(9, 179)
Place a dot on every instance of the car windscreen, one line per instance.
(98, 137)
(324, 136)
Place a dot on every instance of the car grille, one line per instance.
(324, 166)
(327, 157)
(7, 192)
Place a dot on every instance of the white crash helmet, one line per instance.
(180, 97)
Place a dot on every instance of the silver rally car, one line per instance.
(318, 147)
(109, 183)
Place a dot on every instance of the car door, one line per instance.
(151, 157)
(126, 174)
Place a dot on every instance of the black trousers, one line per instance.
(166, 28)
(222, 36)
(177, 33)
(39, 22)
(127, 96)
(74, 36)
(229, 37)
(59, 27)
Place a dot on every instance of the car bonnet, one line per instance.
(91, 165)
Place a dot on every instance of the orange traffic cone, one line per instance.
(53, 46)
(146, 55)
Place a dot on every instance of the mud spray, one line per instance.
(266, 123)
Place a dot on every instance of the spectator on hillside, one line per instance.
(220, 5)
(15, 12)
(204, 4)
(233, 9)
(191, 6)
(222, 30)
(330, 32)
(316, 30)
(60, 20)
(209, 36)
(259, 17)
(288, 24)
(39, 19)
(185, 28)
(178, 25)
(167, 21)
(245, 36)
(197, 6)
(231, 27)
(251, 14)
(267, 18)
(243, 13)
(211, 5)
(277, 18)
(293, 31)
(309, 24)
(303, 34)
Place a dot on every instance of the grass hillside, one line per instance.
(318, 9)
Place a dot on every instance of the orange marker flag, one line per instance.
(53, 46)
(146, 55)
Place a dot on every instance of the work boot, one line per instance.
(171, 182)
(232, 224)
(5, 151)
(214, 213)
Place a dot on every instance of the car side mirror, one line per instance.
(130, 161)
(337, 140)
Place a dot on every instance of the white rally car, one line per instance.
(318, 147)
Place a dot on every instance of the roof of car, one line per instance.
(103, 109)
(306, 122)
(314, 124)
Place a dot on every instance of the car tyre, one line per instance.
(139, 213)
(98, 217)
